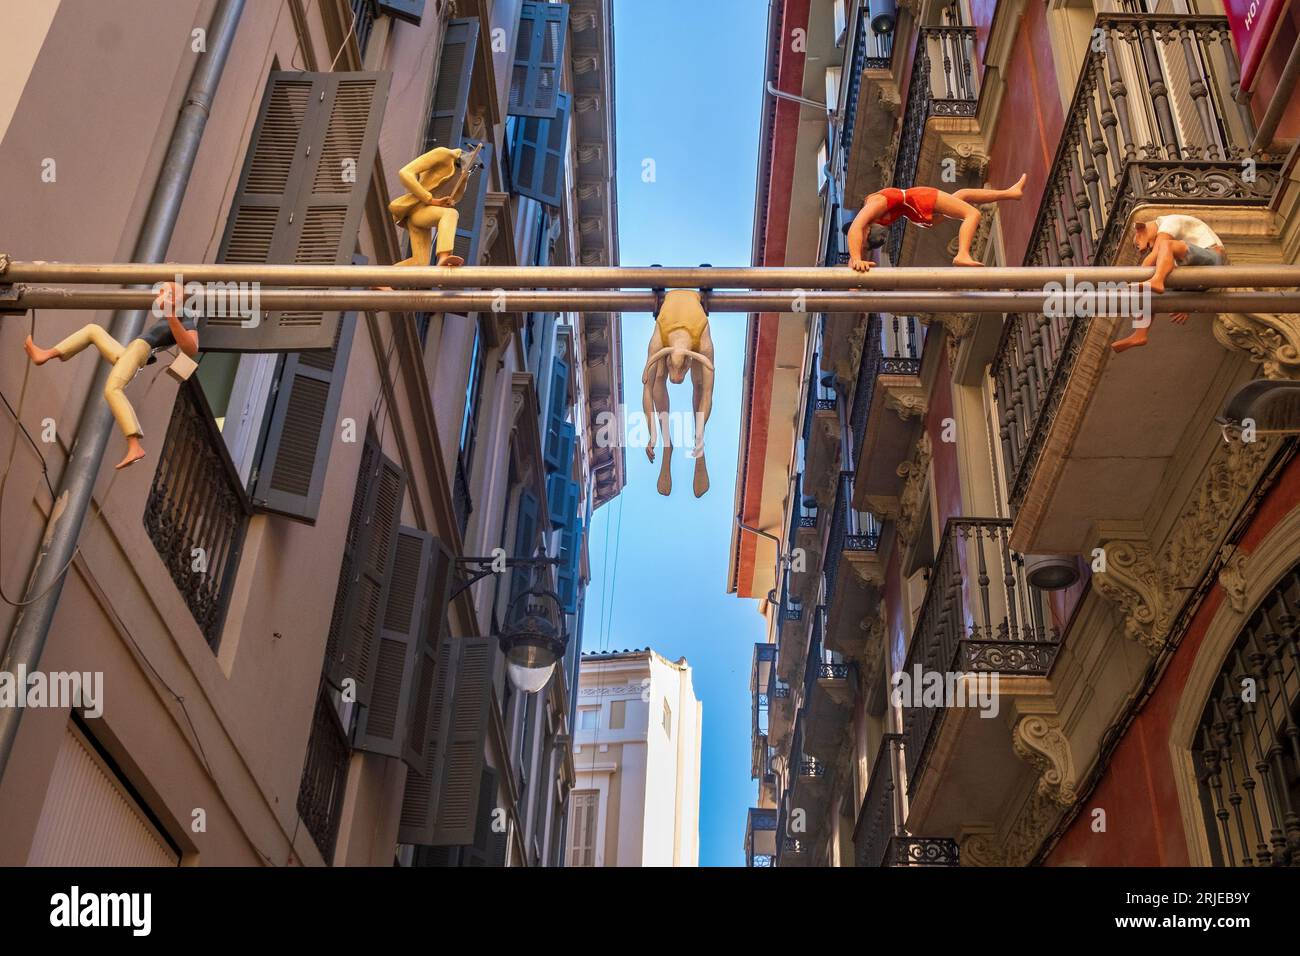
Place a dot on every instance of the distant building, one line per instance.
(637, 758)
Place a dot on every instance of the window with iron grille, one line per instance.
(1247, 747)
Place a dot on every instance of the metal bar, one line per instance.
(595, 301)
(59, 542)
(637, 277)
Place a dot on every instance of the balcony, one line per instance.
(806, 802)
(979, 616)
(879, 838)
(1153, 128)
(821, 434)
(889, 403)
(762, 681)
(828, 691)
(871, 108)
(938, 122)
(197, 511)
(760, 837)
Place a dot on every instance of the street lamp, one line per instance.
(534, 638)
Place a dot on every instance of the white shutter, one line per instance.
(91, 819)
(582, 831)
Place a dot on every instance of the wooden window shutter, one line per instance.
(471, 207)
(409, 10)
(383, 722)
(488, 846)
(537, 155)
(426, 701)
(558, 481)
(460, 780)
(420, 798)
(525, 543)
(570, 550)
(368, 563)
(558, 405)
(539, 59)
(304, 414)
(301, 196)
(446, 125)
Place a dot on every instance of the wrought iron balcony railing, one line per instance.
(324, 774)
(871, 51)
(944, 83)
(760, 837)
(1157, 90)
(902, 337)
(197, 512)
(979, 615)
(1154, 119)
(761, 684)
(879, 838)
(850, 530)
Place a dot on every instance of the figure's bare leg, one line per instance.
(978, 197)
(954, 208)
(702, 378)
(665, 483)
(1168, 251)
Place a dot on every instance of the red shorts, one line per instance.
(915, 205)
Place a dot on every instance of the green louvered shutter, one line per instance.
(300, 198)
(539, 59)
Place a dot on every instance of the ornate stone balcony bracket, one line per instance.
(1040, 742)
(1271, 341)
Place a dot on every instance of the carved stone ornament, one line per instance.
(1232, 578)
(1271, 341)
(1147, 587)
(912, 499)
(1040, 742)
(981, 847)
(908, 403)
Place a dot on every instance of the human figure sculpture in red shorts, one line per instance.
(919, 205)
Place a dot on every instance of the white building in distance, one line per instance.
(637, 757)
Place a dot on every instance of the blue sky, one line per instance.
(689, 90)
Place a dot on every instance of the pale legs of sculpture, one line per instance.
(655, 402)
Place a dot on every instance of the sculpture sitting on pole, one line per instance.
(130, 358)
(1169, 242)
(435, 183)
(919, 205)
(681, 343)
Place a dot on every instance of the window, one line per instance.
(668, 718)
(1247, 771)
(473, 397)
(588, 718)
(583, 821)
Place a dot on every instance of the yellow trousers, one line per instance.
(422, 220)
(126, 361)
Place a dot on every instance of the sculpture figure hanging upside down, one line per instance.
(130, 358)
(1169, 242)
(681, 343)
(918, 205)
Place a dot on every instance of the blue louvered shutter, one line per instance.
(553, 452)
(539, 58)
(537, 154)
(570, 550)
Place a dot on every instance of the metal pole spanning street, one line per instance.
(863, 300)
(610, 278)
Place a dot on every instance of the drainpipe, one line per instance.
(1281, 100)
(77, 484)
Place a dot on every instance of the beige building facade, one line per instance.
(636, 800)
(295, 667)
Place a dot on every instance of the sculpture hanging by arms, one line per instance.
(435, 183)
(130, 358)
(1169, 242)
(681, 343)
(919, 205)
